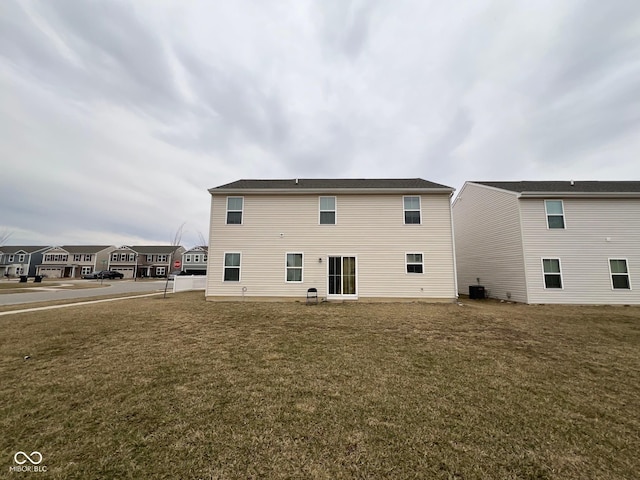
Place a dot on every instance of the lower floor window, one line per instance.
(19, 270)
(619, 274)
(294, 267)
(86, 270)
(160, 271)
(414, 263)
(232, 267)
(552, 273)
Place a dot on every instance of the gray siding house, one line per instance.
(73, 261)
(17, 260)
(573, 242)
(348, 238)
(144, 260)
(194, 261)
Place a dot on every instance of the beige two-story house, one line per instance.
(550, 241)
(350, 239)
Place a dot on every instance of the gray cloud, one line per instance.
(119, 115)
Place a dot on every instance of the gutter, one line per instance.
(345, 191)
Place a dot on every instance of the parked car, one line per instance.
(110, 274)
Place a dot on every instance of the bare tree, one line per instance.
(177, 236)
(4, 236)
(202, 240)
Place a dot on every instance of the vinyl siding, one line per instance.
(489, 242)
(583, 249)
(370, 227)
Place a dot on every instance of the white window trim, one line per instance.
(21, 257)
(406, 263)
(10, 260)
(342, 295)
(544, 285)
(335, 210)
(224, 267)
(286, 268)
(404, 210)
(611, 274)
(564, 216)
(226, 215)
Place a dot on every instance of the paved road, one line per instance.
(111, 287)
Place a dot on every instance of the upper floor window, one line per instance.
(411, 210)
(56, 258)
(414, 263)
(204, 258)
(234, 210)
(149, 258)
(187, 259)
(123, 257)
(132, 257)
(88, 257)
(77, 257)
(21, 257)
(114, 257)
(552, 273)
(162, 258)
(196, 258)
(294, 267)
(555, 213)
(10, 258)
(327, 210)
(619, 273)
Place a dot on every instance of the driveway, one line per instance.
(110, 287)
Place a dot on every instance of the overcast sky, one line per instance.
(116, 117)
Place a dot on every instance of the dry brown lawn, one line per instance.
(183, 388)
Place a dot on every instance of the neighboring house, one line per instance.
(17, 260)
(145, 261)
(73, 261)
(550, 242)
(350, 239)
(194, 261)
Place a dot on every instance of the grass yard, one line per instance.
(183, 388)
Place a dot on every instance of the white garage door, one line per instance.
(127, 272)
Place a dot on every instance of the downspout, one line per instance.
(453, 246)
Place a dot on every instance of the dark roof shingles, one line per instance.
(329, 184)
(566, 186)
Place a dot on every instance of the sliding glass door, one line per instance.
(342, 276)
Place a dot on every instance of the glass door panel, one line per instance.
(335, 275)
(348, 275)
(342, 276)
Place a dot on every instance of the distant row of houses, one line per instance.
(74, 261)
(530, 242)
